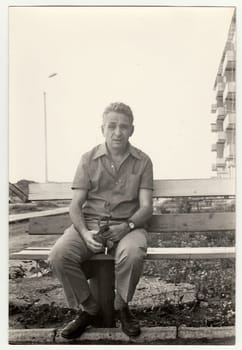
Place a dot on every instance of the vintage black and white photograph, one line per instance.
(122, 175)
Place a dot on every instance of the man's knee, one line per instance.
(136, 252)
(131, 254)
(57, 258)
(133, 246)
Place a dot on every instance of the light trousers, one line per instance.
(70, 251)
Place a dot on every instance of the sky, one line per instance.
(162, 61)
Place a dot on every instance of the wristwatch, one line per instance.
(131, 225)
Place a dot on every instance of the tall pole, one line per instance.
(45, 130)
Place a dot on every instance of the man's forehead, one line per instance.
(116, 117)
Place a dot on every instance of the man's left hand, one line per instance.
(116, 232)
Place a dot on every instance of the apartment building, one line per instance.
(224, 109)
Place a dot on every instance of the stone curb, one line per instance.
(115, 335)
(32, 336)
(206, 332)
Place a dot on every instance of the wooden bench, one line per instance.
(100, 269)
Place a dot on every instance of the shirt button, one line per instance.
(107, 205)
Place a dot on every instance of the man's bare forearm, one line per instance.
(78, 220)
(141, 216)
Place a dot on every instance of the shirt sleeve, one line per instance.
(147, 176)
(81, 178)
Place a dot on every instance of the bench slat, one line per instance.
(25, 216)
(152, 253)
(193, 222)
(194, 187)
(53, 225)
(162, 188)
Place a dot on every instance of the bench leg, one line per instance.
(102, 286)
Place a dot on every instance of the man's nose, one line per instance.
(117, 131)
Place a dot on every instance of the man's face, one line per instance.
(117, 129)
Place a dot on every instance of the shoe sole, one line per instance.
(75, 335)
(131, 334)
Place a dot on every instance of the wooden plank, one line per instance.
(152, 253)
(25, 216)
(42, 253)
(190, 253)
(193, 222)
(53, 225)
(18, 192)
(162, 188)
(49, 225)
(50, 191)
(194, 187)
(23, 206)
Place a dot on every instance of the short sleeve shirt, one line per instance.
(113, 192)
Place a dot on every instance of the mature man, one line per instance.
(114, 180)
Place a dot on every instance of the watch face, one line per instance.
(131, 225)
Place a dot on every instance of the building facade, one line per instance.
(224, 109)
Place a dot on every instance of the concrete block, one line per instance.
(115, 335)
(31, 336)
(206, 332)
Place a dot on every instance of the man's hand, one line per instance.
(116, 232)
(92, 244)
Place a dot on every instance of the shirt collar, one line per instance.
(102, 151)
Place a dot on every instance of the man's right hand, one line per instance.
(92, 244)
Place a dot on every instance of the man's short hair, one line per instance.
(119, 107)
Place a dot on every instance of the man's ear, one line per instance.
(102, 128)
(132, 130)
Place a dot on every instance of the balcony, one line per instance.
(229, 152)
(231, 163)
(220, 149)
(214, 167)
(229, 121)
(220, 113)
(229, 91)
(220, 101)
(214, 108)
(221, 137)
(220, 89)
(230, 106)
(230, 136)
(222, 173)
(220, 163)
(229, 46)
(229, 61)
(214, 127)
(233, 40)
(219, 77)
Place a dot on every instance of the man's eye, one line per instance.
(111, 126)
(124, 127)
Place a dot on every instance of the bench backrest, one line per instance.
(167, 222)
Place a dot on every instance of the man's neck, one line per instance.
(118, 153)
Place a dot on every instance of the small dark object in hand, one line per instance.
(99, 237)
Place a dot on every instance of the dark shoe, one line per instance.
(130, 326)
(76, 327)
